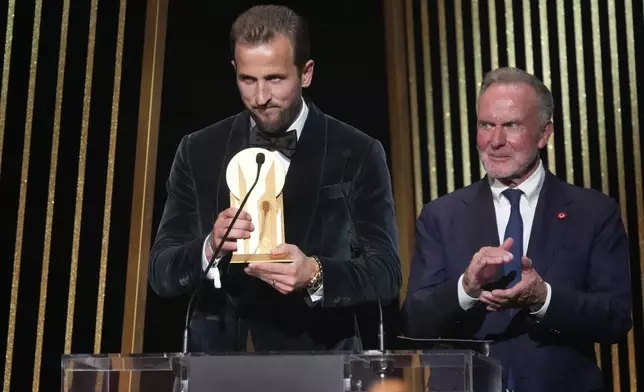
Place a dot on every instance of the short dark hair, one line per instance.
(509, 75)
(259, 25)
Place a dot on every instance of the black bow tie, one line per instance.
(283, 143)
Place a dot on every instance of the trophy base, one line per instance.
(260, 258)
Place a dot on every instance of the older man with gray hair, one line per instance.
(532, 263)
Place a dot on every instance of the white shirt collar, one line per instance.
(531, 187)
(298, 124)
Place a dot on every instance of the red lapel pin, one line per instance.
(562, 215)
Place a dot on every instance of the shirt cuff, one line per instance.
(316, 295)
(213, 273)
(539, 314)
(464, 299)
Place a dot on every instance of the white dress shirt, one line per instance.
(297, 126)
(531, 188)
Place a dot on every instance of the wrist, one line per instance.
(542, 295)
(316, 278)
(209, 250)
(471, 291)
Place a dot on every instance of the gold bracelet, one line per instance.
(316, 279)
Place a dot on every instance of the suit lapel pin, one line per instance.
(562, 215)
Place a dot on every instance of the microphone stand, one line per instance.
(260, 158)
(380, 365)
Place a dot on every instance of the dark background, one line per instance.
(98, 103)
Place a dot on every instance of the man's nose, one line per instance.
(498, 137)
(263, 94)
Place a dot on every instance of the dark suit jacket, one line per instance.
(583, 257)
(316, 220)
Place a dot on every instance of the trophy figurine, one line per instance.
(264, 204)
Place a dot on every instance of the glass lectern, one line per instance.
(408, 371)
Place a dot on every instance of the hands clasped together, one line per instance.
(284, 277)
(530, 291)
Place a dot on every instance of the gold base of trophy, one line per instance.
(261, 258)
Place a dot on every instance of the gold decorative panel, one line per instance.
(66, 104)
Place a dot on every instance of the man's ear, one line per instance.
(546, 133)
(232, 62)
(307, 73)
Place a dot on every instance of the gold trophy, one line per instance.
(264, 203)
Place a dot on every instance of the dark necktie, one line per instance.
(284, 142)
(514, 229)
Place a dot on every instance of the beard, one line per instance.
(285, 118)
(520, 168)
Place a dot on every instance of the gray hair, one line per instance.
(508, 75)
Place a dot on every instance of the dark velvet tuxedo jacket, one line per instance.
(316, 220)
(584, 258)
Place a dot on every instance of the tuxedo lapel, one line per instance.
(548, 227)
(302, 186)
(237, 140)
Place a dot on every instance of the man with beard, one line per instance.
(312, 303)
(522, 258)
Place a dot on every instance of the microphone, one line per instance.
(260, 158)
(381, 328)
